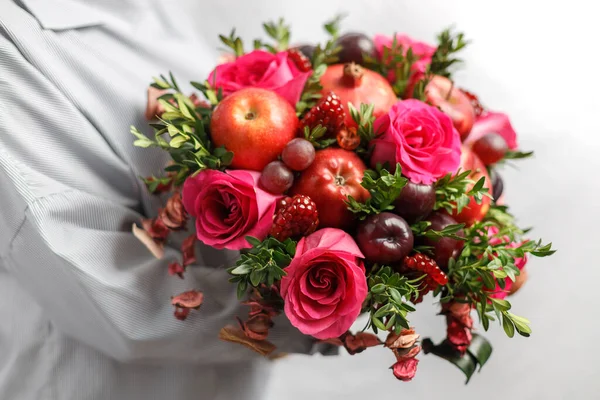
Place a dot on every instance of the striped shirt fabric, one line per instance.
(84, 307)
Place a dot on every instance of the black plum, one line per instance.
(307, 49)
(384, 238)
(354, 45)
(497, 184)
(443, 248)
(415, 202)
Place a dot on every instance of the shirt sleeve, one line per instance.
(68, 203)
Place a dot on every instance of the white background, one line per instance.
(539, 62)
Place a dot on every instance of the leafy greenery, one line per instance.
(234, 43)
(279, 32)
(153, 182)
(182, 130)
(449, 44)
(384, 188)
(485, 263)
(332, 27)
(262, 264)
(387, 301)
(317, 137)
(452, 191)
(516, 155)
(422, 229)
(364, 121)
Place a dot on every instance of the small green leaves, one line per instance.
(142, 140)
(452, 191)
(262, 264)
(387, 300)
(443, 58)
(421, 228)
(364, 121)
(280, 32)
(332, 27)
(384, 188)
(233, 42)
(516, 155)
(316, 137)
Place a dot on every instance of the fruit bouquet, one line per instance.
(355, 177)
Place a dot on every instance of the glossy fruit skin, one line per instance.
(415, 202)
(443, 248)
(384, 238)
(490, 148)
(307, 49)
(372, 88)
(276, 177)
(457, 105)
(497, 184)
(473, 211)
(298, 154)
(255, 124)
(354, 45)
(334, 175)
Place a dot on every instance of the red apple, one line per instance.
(442, 93)
(255, 124)
(334, 175)
(473, 211)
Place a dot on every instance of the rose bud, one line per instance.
(405, 354)
(460, 312)
(174, 215)
(458, 335)
(406, 339)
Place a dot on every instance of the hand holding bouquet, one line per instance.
(355, 177)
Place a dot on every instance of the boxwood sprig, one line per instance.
(383, 186)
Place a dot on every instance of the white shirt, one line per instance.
(84, 307)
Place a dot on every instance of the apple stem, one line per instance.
(353, 74)
(449, 94)
(250, 115)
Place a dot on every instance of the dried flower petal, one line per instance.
(406, 339)
(153, 107)
(236, 335)
(359, 342)
(156, 229)
(188, 250)
(460, 312)
(176, 269)
(143, 236)
(190, 299)
(333, 341)
(257, 327)
(405, 370)
(458, 335)
(404, 354)
(181, 313)
(174, 215)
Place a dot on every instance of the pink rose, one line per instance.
(276, 72)
(228, 207)
(325, 284)
(520, 262)
(419, 137)
(423, 51)
(493, 122)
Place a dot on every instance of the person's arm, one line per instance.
(67, 205)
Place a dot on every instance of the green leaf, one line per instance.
(466, 363)
(516, 155)
(177, 141)
(379, 288)
(508, 326)
(253, 241)
(241, 270)
(481, 349)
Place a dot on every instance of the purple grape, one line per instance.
(415, 202)
(490, 148)
(276, 178)
(298, 154)
(443, 248)
(384, 238)
(497, 184)
(354, 45)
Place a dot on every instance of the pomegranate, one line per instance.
(355, 84)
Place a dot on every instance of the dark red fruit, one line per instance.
(276, 178)
(384, 238)
(497, 184)
(353, 46)
(490, 148)
(443, 248)
(419, 264)
(329, 113)
(415, 202)
(298, 154)
(295, 217)
(308, 50)
(301, 61)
